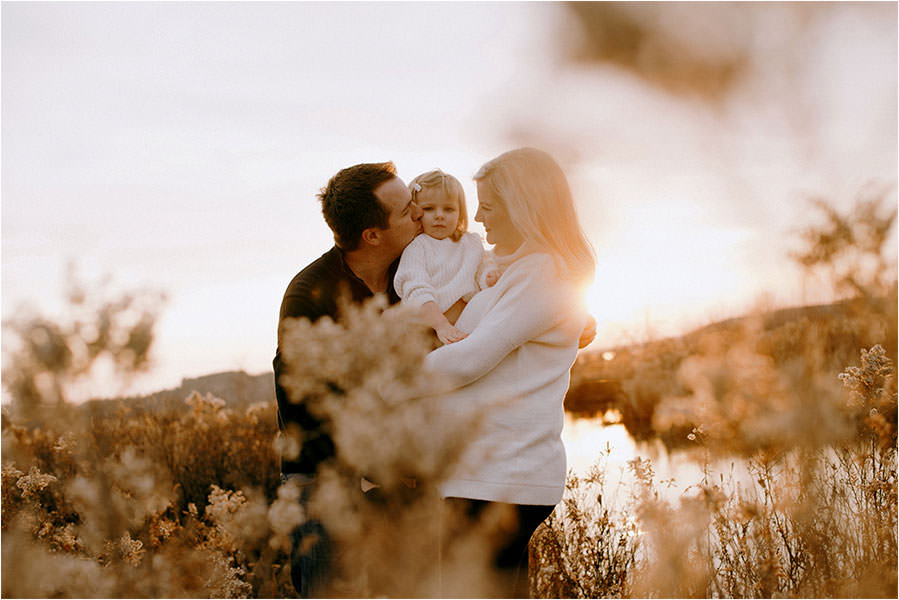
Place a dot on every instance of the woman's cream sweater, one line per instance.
(504, 385)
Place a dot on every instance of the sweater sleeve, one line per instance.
(412, 280)
(531, 303)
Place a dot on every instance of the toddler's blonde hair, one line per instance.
(451, 188)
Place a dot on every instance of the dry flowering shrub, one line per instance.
(745, 402)
(363, 375)
(816, 518)
(187, 502)
(110, 526)
(675, 544)
(588, 546)
(47, 360)
(811, 521)
(872, 389)
(95, 501)
(12, 495)
(851, 249)
(202, 445)
(115, 525)
(285, 514)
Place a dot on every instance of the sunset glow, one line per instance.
(179, 163)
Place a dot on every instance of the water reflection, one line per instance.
(587, 439)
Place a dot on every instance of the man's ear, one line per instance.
(372, 236)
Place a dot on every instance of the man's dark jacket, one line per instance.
(313, 293)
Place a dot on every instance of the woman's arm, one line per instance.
(532, 302)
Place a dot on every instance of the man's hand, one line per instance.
(588, 334)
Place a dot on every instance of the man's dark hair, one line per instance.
(349, 204)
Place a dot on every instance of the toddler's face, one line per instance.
(439, 215)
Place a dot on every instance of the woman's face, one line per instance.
(493, 215)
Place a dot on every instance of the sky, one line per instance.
(179, 147)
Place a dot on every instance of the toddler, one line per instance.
(442, 268)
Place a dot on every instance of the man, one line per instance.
(370, 211)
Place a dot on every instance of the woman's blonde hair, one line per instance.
(451, 188)
(536, 195)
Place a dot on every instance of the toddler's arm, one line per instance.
(447, 332)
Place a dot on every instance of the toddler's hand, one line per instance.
(491, 278)
(449, 334)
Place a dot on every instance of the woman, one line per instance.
(510, 375)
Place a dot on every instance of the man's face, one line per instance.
(403, 216)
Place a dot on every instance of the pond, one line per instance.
(587, 439)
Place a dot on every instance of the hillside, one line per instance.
(237, 388)
(633, 380)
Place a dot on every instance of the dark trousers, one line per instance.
(311, 550)
(311, 558)
(511, 556)
(314, 555)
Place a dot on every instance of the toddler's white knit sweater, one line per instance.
(439, 271)
(504, 385)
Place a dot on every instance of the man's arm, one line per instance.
(589, 333)
(294, 418)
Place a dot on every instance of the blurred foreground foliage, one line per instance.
(47, 359)
(186, 502)
(684, 49)
(708, 52)
(156, 500)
